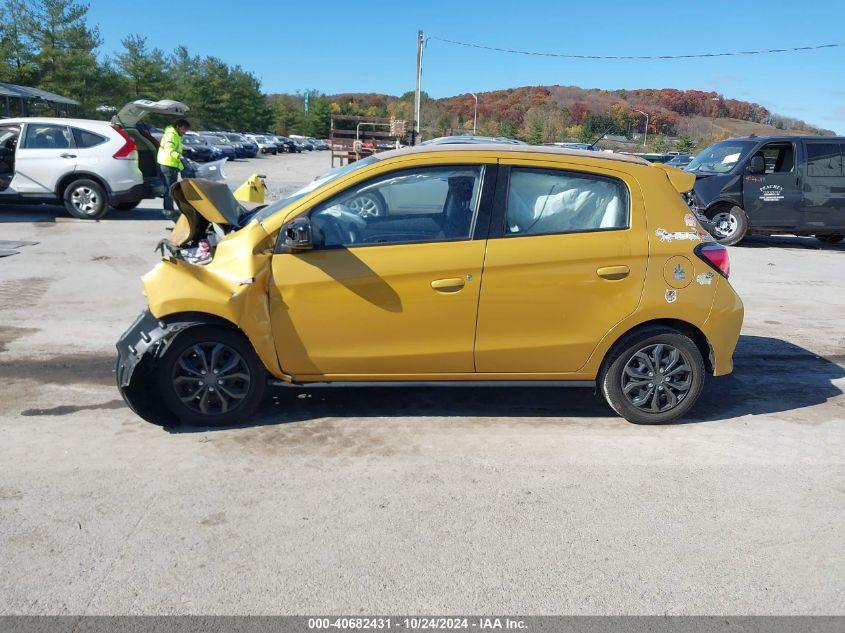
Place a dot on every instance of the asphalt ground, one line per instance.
(414, 500)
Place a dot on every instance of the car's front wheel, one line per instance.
(730, 225)
(211, 376)
(85, 199)
(653, 376)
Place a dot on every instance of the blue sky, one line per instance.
(358, 46)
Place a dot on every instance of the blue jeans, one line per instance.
(169, 176)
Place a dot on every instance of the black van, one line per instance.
(772, 184)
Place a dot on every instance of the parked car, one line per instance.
(265, 144)
(320, 144)
(517, 264)
(585, 146)
(287, 145)
(224, 146)
(471, 139)
(244, 147)
(772, 184)
(86, 165)
(679, 160)
(196, 149)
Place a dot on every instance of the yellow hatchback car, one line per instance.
(438, 264)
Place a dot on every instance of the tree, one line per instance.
(66, 49)
(685, 143)
(145, 70)
(535, 133)
(659, 145)
(17, 50)
(508, 128)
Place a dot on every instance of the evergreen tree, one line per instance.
(145, 71)
(66, 49)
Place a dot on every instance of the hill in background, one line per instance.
(542, 114)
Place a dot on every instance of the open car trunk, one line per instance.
(209, 211)
(129, 118)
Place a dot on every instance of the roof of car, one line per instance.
(787, 137)
(52, 120)
(513, 149)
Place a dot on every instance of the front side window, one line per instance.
(555, 201)
(779, 157)
(824, 160)
(46, 136)
(424, 204)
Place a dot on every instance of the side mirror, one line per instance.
(297, 236)
(757, 165)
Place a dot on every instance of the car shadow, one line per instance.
(43, 213)
(770, 376)
(789, 241)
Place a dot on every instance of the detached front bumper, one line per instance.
(138, 350)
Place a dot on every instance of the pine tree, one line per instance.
(145, 70)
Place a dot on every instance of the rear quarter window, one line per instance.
(85, 139)
(824, 160)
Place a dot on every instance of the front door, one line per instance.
(46, 153)
(773, 199)
(566, 262)
(9, 135)
(391, 288)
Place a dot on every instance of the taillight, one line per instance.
(716, 255)
(125, 152)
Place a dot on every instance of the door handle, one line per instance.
(613, 272)
(68, 155)
(448, 285)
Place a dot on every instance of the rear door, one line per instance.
(565, 262)
(46, 153)
(824, 185)
(773, 199)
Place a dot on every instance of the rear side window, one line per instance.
(542, 201)
(47, 136)
(85, 139)
(824, 159)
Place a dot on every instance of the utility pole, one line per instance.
(419, 80)
(645, 136)
(474, 112)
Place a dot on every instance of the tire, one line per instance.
(830, 239)
(370, 204)
(627, 354)
(730, 224)
(191, 353)
(126, 206)
(85, 199)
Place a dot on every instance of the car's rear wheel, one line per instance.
(126, 206)
(830, 239)
(85, 199)
(211, 376)
(654, 376)
(730, 224)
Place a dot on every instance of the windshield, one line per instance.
(327, 177)
(720, 158)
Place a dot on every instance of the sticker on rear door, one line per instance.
(671, 295)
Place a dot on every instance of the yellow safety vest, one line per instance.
(170, 149)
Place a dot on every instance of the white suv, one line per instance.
(85, 164)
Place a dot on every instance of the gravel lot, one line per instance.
(411, 500)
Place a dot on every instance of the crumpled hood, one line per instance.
(202, 202)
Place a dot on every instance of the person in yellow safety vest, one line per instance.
(170, 161)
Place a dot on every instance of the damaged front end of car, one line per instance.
(215, 270)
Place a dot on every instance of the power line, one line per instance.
(765, 51)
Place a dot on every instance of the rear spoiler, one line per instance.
(682, 181)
